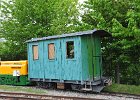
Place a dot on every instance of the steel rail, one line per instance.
(29, 96)
(119, 94)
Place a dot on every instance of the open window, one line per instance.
(51, 51)
(35, 52)
(70, 49)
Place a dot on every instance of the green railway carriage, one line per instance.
(14, 72)
(71, 59)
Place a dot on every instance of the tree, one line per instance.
(122, 19)
(26, 19)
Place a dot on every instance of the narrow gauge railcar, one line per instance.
(73, 59)
(14, 72)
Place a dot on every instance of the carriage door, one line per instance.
(97, 61)
(36, 60)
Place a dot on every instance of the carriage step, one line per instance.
(86, 89)
(98, 89)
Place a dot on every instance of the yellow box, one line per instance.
(10, 67)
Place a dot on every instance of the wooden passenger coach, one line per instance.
(73, 58)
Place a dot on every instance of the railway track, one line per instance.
(131, 96)
(27, 96)
(113, 94)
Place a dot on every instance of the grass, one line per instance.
(22, 89)
(131, 89)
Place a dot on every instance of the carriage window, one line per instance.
(70, 49)
(51, 51)
(35, 52)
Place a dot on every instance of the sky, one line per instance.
(81, 1)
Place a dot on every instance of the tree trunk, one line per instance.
(117, 74)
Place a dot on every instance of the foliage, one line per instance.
(121, 88)
(26, 19)
(122, 19)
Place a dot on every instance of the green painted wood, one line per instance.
(85, 64)
(91, 53)
(13, 80)
(97, 56)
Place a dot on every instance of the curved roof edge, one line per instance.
(101, 33)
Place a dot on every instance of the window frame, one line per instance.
(33, 54)
(53, 52)
(67, 50)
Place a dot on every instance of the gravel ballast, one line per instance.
(67, 93)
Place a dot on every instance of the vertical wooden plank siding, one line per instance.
(51, 60)
(35, 65)
(51, 66)
(70, 67)
(93, 56)
(29, 60)
(60, 67)
(31, 65)
(99, 56)
(90, 56)
(96, 56)
(91, 52)
(85, 69)
(41, 53)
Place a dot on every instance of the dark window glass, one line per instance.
(70, 49)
